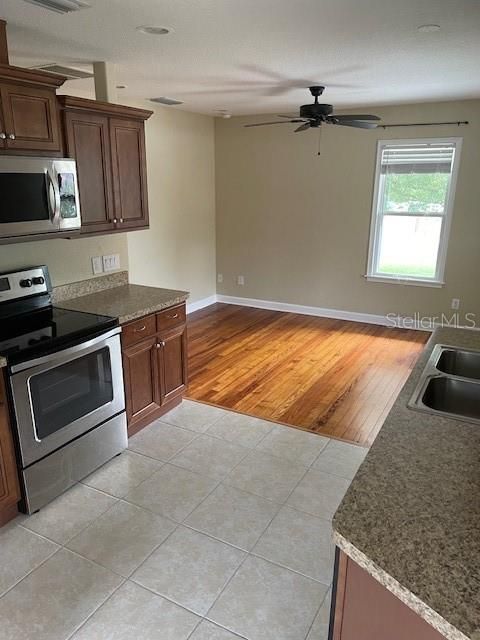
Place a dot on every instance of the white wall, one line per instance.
(297, 225)
(67, 260)
(178, 251)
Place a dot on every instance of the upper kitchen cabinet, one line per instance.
(29, 118)
(108, 143)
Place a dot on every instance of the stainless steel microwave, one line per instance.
(38, 196)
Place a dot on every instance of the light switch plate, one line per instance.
(97, 265)
(111, 262)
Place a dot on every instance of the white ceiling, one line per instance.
(254, 56)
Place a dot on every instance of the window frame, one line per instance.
(375, 224)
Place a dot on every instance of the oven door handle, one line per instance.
(59, 357)
(54, 205)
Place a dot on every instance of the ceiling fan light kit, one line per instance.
(312, 116)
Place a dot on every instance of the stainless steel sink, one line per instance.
(459, 362)
(450, 384)
(458, 398)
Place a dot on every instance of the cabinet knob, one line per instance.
(161, 344)
(121, 220)
(3, 136)
(11, 136)
(115, 221)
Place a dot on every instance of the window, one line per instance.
(412, 209)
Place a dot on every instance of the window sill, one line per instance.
(416, 282)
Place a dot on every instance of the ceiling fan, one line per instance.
(316, 114)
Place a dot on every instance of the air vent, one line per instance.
(69, 72)
(165, 100)
(60, 6)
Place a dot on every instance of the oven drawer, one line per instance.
(171, 318)
(138, 330)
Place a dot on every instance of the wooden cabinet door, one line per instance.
(366, 610)
(9, 486)
(30, 118)
(87, 138)
(172, 362)
(142, 386)
(129, 173)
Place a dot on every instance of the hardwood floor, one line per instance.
(332, 377)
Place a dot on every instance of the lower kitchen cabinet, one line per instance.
(154, 365)
(9, 486)
(172, 364)
(365, 610)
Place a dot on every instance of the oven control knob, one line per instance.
(25, 284)
(38, 280)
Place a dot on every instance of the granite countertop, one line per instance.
(125, 302)
(3, 362)
(411, 516)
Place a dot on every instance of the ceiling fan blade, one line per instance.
(303, 127)
(354, 116)
(359, 124)
(262, 124)
(290, 117)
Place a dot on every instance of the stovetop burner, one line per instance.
(30, 326)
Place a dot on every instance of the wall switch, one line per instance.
(455, 304)
(220, 278)
(241, 280)
(112, 262)
(97, 265)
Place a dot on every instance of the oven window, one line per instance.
(71, 391)
(24, 197)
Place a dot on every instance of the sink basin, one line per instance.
(456, 362)
(458, 398)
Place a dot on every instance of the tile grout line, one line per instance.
(82, 624)
(31, 570)
(318, 611)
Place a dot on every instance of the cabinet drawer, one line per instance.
(171, 318)
(138, 330)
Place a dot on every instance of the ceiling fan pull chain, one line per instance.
(319, 152)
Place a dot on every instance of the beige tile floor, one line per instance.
(213, 526)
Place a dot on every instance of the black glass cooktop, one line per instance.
(42, 332)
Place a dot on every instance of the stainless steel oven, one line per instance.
(69, 408)
(65, 386)
(61, 396)
(39, 196)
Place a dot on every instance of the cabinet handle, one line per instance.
(121, 220)
(161, 344)
(114, 221)
(173, 317)
(3, 136)
(139, 329)
(11, 136)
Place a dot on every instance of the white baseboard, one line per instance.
(335, 314)
(417, 322)
(201, 304)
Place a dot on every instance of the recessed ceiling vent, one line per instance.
(70, 72)
(60, 6)
(165, 100)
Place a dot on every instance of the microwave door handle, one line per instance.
(55, 205)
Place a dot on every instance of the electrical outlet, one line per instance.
(220, 278)
(97, 265)
(241, 280)
(455, 304)
(112, 262)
